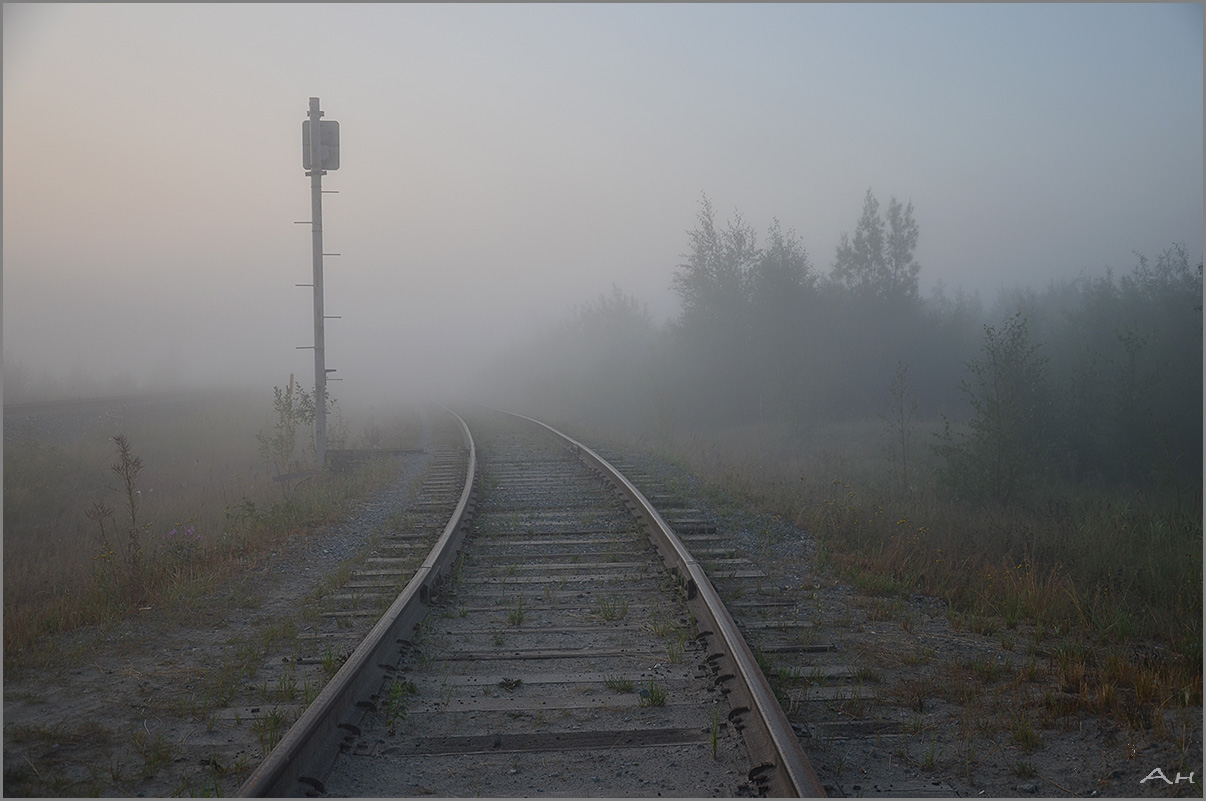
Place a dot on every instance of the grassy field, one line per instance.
(204, 503)
(1110, 583)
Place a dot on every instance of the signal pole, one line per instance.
(320, 152)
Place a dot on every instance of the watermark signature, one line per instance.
(1159, 774)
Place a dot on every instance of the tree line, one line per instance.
(1090, 379)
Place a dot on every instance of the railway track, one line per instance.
(558, 639)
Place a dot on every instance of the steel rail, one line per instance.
(311, 745)
(768, 734)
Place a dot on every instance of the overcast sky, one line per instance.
(502, 163)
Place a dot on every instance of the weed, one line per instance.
(930, 757)
(184, 480)
(286, 684)
(841, 763)
(516, 615)
(661, 625)
(127, 467)
(918, 657)
(855, 706)
(1039, 633)
(985, 668)
(617, 684)
(765, 663)
(295, 409)
(866, 675)
(1024, 734)
(1120, 567)
(398, 701)
(783, 695)
(155, 749)
(879, 610)
(611, 608)
(100, 513)
(981, 625)
(269, 727)
(333, 661)
(426, 658)
(653, 695)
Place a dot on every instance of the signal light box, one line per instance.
(328, 145)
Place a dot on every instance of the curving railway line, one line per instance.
(558, 639)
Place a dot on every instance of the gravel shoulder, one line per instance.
(125, 712)
(941, 710)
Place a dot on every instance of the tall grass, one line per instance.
(75, 555)
(1122, 568)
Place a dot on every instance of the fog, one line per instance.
(502, 165)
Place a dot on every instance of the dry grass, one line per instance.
(1120, 574)
(207, 505)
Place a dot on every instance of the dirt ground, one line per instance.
(127, 711)
(945, 705)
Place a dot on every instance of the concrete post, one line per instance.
(320, 361)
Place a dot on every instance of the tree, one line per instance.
(1004, 447)
(618, 314)
(294, 409)
(902, 268)
(713, 282)
(859, 264)
(879, 261)
(1159, 375)
(603, 357)
(901, 419)
(782, 272)
(714, 329)
(1126, 354)
(783, 321)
